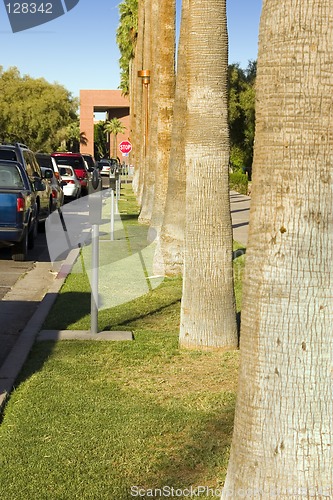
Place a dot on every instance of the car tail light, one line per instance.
(54, 193)
(70, 182)
(20, 204)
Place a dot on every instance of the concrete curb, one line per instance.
(14, 362)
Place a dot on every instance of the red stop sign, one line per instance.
(125, 147)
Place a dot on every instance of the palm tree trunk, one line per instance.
(208, 317)
(137, 106)
(283, 435)
(169, 255)
(144, 14)
(150, 158)
(165, 74)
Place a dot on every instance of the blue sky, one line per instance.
(79, 50)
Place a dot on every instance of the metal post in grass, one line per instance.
(117, 196)
(94, 279)
(112, 216)
(95, 218)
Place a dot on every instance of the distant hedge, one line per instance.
(239, 182)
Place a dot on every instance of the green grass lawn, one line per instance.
(91, 420)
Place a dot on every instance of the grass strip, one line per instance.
(101, 420)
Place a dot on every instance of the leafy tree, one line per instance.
(126, 38)
(70, 137)
(33, 111)
(241, 114)
(100, 146)
(114, 127)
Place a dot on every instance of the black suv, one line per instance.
(21, 153)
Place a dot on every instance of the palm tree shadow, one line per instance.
(206, 443)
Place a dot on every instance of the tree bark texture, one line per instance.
(151, 146)
(208, 318)
(136, 99)
(165, 75)
(146, 62)
(282, 443)
(169, 255)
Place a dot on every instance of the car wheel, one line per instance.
(32, 235)
(20, 250)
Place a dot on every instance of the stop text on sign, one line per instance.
(125, 147)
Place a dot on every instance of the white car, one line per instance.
(107, 167)
(71, 185)
(104, 167)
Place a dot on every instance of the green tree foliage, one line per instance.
(242, 114)
(126, 38)
(33, 111)
(100, 144)
(70, 137)
(114, 127)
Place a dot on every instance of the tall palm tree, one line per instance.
(208, 317)
(126, 39)
(283, 434)
(169, 255)
(136, 99)
(143, 97)
(149, 160)
(114, 127)
(165, 93)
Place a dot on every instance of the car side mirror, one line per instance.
(48, 173)
(38, 184)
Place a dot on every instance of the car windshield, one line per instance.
(44, 161)
(10, 177)
(66, 171)
(89, 160)
(75, 162)
(8, 154)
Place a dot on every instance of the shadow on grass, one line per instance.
(127, 217)
(136, 315)
(206, 450)
(174, 441)
(69, 308)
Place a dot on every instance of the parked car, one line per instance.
(71, 185)
(57, 191)
(47, 161)
(77, 162)
(21, 153)
(90, 160)
(92, 166)
(18, 209)
(107, 167)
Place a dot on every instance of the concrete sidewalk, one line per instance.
(17, 355)
(240, 211)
